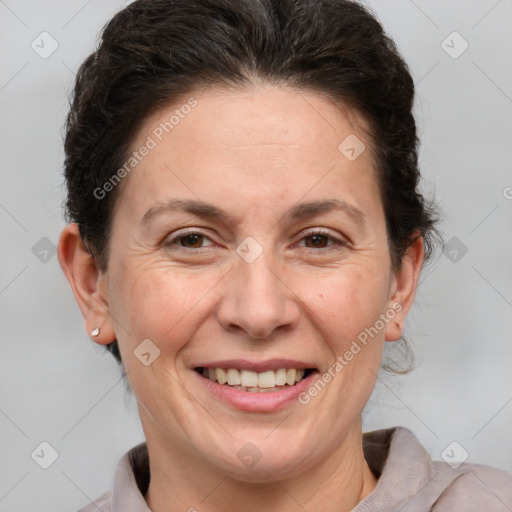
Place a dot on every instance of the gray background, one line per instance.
(59, 387)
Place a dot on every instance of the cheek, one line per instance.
(161, 304)
(350, 301)
(349, 312)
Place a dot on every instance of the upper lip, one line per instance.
(256, 366)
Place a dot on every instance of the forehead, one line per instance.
(265, 143)
(264, 114)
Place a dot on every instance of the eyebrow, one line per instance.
(197, 208)
(209, 211)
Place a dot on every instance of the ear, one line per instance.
(87, 282)
(403, 288)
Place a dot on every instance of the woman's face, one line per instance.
(246, 238)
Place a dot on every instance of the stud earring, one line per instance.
(95, 331)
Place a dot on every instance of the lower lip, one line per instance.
(259, 401)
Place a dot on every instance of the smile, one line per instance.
(254, 382)
(255, 386)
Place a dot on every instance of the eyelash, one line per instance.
(335, 241)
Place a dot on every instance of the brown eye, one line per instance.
(321, 239)
(193, 241)
(188, 241)
(317, 241)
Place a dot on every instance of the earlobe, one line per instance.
(404, 286)
(86, 281)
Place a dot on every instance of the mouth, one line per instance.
(256, 382)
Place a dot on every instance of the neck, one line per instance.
(343, 479)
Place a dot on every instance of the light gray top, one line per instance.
(408, 480)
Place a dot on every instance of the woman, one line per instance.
(245, 235)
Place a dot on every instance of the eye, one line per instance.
(320, 239)
(189, 240)
(317, 240)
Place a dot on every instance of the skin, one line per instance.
(254, 153)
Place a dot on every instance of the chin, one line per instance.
(265, 465)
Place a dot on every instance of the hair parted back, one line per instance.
(154, 52)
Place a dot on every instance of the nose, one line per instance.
(257, 301)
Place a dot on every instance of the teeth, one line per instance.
(222, 378)
(267, 379)
(290, 376)
(280, 377)
(248, 380)
(233, 377)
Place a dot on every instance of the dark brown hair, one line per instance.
(155, 51)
